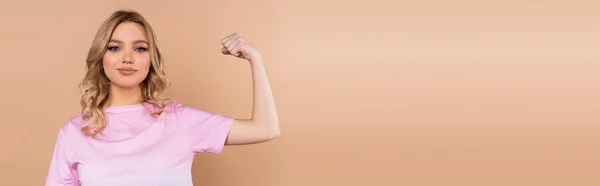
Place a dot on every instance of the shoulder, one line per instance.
(181, 109)
(185, 112)
(69, 130)
(72, 125)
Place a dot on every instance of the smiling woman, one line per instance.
(130, 134)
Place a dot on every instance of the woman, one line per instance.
(129, 133)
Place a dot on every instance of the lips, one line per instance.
(126, 70)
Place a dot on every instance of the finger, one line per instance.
(224, 50)
(232, 45)
(235, 41)
(232, 41)
(235, 50)
(227, 38)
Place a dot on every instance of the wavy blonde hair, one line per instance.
(96, 84)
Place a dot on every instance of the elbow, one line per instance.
(267, 130)
(274, 133)
(273, 136)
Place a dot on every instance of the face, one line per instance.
(127, 59)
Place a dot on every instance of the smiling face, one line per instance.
(127, 61)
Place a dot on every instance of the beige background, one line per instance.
(371, 92)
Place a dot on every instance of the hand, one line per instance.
(237, 46)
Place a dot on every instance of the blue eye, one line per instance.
(141, 49)
(113, 48)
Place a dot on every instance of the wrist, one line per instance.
(256, 61)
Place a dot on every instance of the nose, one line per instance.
(127, 58)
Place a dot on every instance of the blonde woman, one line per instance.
(130, 134)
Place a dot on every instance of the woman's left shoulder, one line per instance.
(180, 109)
(183, 111)
(172, 107)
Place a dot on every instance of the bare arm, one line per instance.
(264, 124)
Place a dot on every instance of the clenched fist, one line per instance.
(234, 44)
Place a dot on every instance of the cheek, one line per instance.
(143, 61)
(109, 61)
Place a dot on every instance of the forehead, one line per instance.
(129, 31)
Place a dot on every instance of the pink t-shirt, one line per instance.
(136, 148)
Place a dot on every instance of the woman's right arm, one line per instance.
(61, 172)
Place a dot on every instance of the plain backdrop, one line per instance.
(420, 93)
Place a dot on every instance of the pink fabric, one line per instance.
(136, 148)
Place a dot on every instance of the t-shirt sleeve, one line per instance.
(61, 173)
(207, 132)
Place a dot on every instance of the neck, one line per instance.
(119, 96)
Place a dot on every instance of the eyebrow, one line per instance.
(134, 42)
